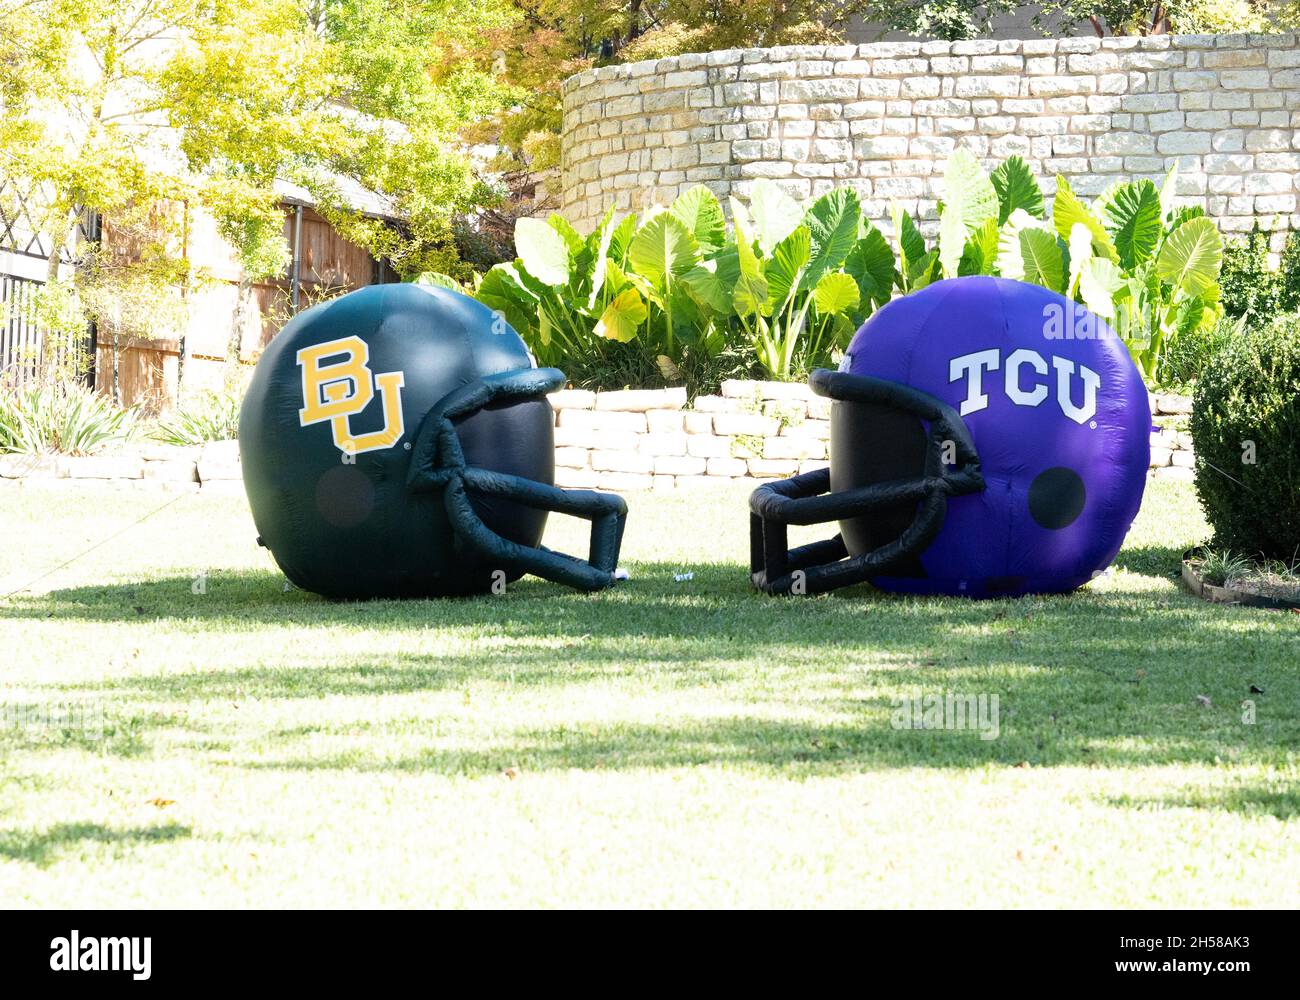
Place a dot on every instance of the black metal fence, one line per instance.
(22, 348)
(27, 353)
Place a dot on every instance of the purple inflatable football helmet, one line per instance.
(989, 438)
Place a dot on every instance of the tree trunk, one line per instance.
(117, 355)
(236, 340)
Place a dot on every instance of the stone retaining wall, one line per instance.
(882, 118)
(635, 439)
(215, 464)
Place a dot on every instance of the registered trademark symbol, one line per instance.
(1092, 424)
(407, 444)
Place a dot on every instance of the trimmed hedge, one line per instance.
(1246, 430)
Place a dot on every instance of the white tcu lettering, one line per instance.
(1019, 387)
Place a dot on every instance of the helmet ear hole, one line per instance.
(515, 438)
(874, 443)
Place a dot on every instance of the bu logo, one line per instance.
(340, 389)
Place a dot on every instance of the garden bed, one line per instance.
(1260, 589)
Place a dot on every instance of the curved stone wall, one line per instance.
(882, 118)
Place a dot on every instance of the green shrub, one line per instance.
(1290, 272)
(1246, 431)
(67, 418)
(1193, 353)
(1249, 287)
(212, 417)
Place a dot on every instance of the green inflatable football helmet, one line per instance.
(397, 442)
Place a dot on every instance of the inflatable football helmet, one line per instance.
(397, 442)
(989, 438)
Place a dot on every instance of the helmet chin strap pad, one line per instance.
(806, 499)
(438, 464)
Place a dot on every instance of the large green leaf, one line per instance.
(543, 251)
(952, 239)
(907, 239)
(1134, 213)
(704, 286)
(1029, 252)
(1099, 282)
(784, 270)
(967, 188)
(1169, 192)
(1017, 188)
(749, 295)
(663, 250)
(622, 317)
(774, 214)
(572, 240)
(1043, 263)
(871, 263)
(832, 222)
(923, 271)
(700, 213)
(1080, 244)
(980, 254)
(621, 239)
(1067, 210)
(836, 293)
(726, 267)
(439, 280)
(502, 292)
(1191, 257)
(597, 252)
(1010, 261)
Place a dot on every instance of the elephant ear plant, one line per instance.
(807, 279)
(1133, 257)
(785, 285)
(789, 284)
(636, 280)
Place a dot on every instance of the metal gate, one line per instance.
(26, 354)
(21, 343)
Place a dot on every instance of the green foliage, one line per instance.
(337, 97)
(1246, 430)
(1195, 351)
(1290, 271)
(1184, 17)
(1219, 566)
(670, 290)
(671, 296)
(1134, 258)
(212, 417)
(67, 419)
(1253, 290)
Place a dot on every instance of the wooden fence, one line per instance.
(323, 265)
(150, 371)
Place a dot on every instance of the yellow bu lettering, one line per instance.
(340, 390)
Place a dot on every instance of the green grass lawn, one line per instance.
(662, 744)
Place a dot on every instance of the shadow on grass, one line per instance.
(44, 847)
(1152, 560)
(1261, 799)
(1105, 677)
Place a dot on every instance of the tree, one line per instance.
(118, 105)
(960, 19)
(554, 39)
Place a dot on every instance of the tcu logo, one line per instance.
(340, 390)
(973, 366)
